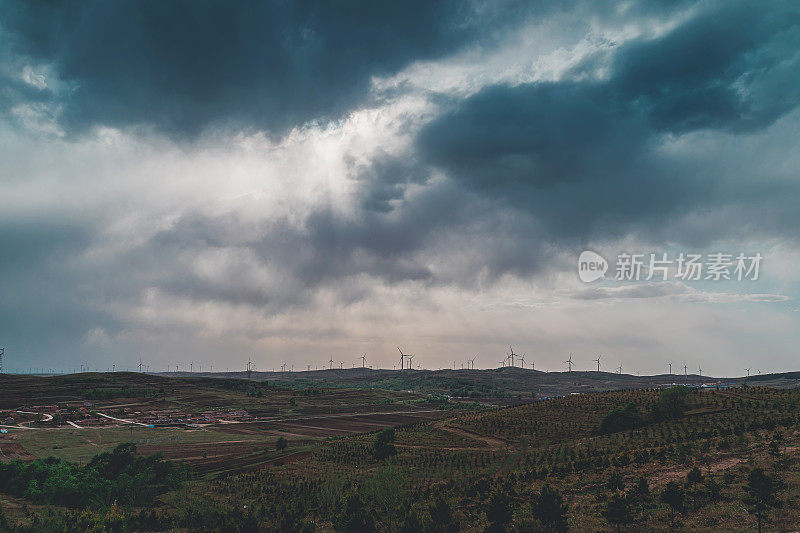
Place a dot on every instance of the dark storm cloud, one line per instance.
(581, 155)
(180, 65)
(43, 300)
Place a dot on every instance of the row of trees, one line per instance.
(119, 475)
(760, 497)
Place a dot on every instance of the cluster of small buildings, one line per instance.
(181, 418)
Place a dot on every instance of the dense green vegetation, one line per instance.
(119, 476)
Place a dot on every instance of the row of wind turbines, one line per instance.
(511, 359)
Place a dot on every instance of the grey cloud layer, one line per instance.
(583, 154)
(507, 181)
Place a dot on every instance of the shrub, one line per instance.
(281, 444)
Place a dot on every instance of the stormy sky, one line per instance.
(300, 181)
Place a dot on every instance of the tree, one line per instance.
(410, 523)
(615, 482)
(671, 403)
(549, 508)
(673, 496)
(694, 476)
(621, 419)
(442, 520)
(618, 510)
(383, 444)
(353, 516)
(281, 444)
(498, 513)
(641, 491)
(760, 495)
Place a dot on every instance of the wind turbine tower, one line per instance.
(569, 363)
(598, 362)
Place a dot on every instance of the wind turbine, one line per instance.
(472, 362)
(331, 363)
(522, 358)
(364, 361)
(511, 355)
(685, 374)
(700, 371)
(748, 371)
(619, 370)
(598, 362)
(503, 362)
(670, 368)
(410, 358)
(402, 359)
(533, 365)
(569, 362)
